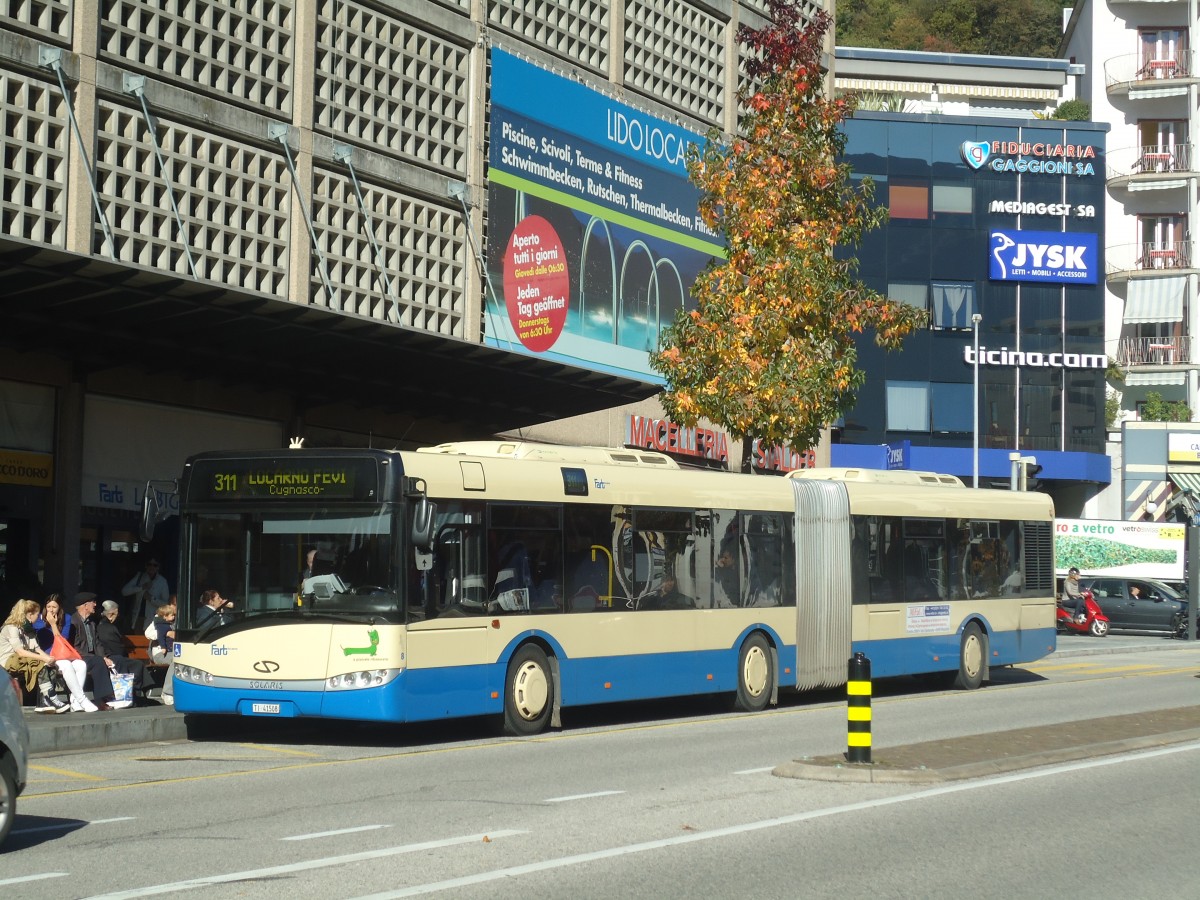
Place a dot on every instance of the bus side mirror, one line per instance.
(424, 516)
(154, 512)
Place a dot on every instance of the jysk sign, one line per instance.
(1048, 256)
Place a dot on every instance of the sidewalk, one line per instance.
(89, 731)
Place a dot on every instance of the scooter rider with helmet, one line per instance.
(1072, 596)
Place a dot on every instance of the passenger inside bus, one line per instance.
(668, 596)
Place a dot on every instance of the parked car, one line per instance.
(14, 752)
(1136, 604)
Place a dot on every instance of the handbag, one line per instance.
(122, 687)
(62, 649)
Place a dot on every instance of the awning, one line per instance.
(1185, 481)
(1155, 299)
(1151, 93)
(103, 316)
(1170, 184)
(1134, 379)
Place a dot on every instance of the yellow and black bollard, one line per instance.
(858, 710)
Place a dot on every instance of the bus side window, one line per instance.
(764, 536)
(588, 562)
(888, 587)
(728, 564)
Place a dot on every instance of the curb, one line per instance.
(111, 729)
(830, 768)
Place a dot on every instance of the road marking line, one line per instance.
(283, 750)
(581, 796)
(326, 862)
(755, 771)
(321, 834)
(63, 826)
(69, 773)
(25, 878)
(497, 874)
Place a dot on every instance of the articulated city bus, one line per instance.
(517, 579)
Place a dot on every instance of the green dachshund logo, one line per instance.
(373, 636)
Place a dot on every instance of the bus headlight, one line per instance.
(365, 679)
(192, 674)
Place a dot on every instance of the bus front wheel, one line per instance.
(756, 675)
(528, 692)
(972, 658)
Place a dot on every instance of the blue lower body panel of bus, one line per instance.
(940, 653)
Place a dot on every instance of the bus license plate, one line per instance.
(269, 708)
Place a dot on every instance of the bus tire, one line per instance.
(972, 658)
(528, 692)
(756, 674)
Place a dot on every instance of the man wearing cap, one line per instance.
(85, 640)
(112, 648)
(149, 591)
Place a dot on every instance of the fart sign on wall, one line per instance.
(536, 284)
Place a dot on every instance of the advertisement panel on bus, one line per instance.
(1115, 547)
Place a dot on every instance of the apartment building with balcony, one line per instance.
(1141, 78)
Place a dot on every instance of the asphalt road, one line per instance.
(662, 800)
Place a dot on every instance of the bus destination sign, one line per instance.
(217, 480)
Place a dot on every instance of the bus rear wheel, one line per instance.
(756, 675)
(528, 692)
(972, 659)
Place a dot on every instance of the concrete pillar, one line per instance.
(62, 556)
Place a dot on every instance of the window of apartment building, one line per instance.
(1163, 52)
(1163, 242)
(1162, 145)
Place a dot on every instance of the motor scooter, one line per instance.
(1095, 621)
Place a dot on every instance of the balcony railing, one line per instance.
(1144, 351)
(1166, 257)
(1135, 71)
(1149, 164)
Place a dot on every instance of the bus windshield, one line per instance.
(321, 562)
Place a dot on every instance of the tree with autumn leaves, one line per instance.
(769, 351)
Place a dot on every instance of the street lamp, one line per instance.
(976, 318)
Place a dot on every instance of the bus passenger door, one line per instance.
(446, 670)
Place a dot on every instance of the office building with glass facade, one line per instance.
(996, 228)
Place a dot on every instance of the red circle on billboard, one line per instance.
(537, 288)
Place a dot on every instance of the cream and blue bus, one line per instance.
(514, 580)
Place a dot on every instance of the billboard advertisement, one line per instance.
(1056, 257)
(593, 236)
(1116, 547)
